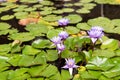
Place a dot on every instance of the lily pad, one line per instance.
(7, 17)
(52, 18)
(25, 36)
(110, 44)
(29, 50)
(83, 11)
(47, 3)
(72, 30)
(4, 26)
(74, 18)
(103, 22)
(37, 29)
(67, 10)
(41, 43)
(83, 26)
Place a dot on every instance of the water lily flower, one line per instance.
(63, 22)
(95, 33)
(3, 0)
(63, 35)
(70, 64)
(97, 28)
(56, 40)
(60, 48)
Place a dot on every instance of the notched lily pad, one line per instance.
(7, 17)
(4, 26)
(25, 36)
(74, 18)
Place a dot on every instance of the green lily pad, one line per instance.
(37, 29)
(86, 1)
(89, 5)
(36, 70)
(14, 60)
(47, 3)
(78, 4)
(21, 15)
(45, 12)
(74, 18)
(30, 9)
(52, 55)
(83, 26)
(41, 43)
(7, 17)
(40, 58)
(4, 26)
(29, 50)
(30, 1)
(52, 18)
(52, 33)
(5, 48)
(25, 36)
(67, 10)
(103, 22)
(57, 11)
(26, 60)
(110, 44)
(68, 5)
(83, 11)
(72, 30)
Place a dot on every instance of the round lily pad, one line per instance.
(67, 10)
(83, 11)
(4, 26)
(21, 15)
(72, 30)
(30, 9)
(74, 18)
(57, 11)
(68, 5)
(52, 18)
(7, 17)
(25, 36)
(47, 3)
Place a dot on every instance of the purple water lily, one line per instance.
(56, 40)
(60, 48)
(95, 33)
(70, 64)
(63, 35)
(63, 22)
(3, 0)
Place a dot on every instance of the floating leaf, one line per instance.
(110, 44)
(25, 36)
(7, 17)
(41, 43)
(49, 71)
(37, 29)
(83, 11)
(4, 26)
(52, 33)
(83, 26)
(74, 18)
(29, 50)
(102, 22)
(36, 70)
(52, 18)
(67, 10)
(26, 60)
(72, 30)
(40, 58)
(52, 55)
